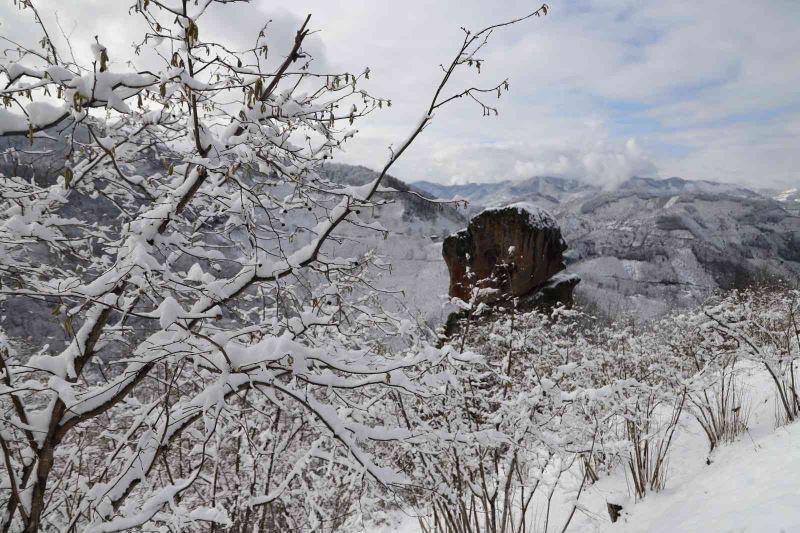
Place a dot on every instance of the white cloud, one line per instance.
(602, 162)
(709, 88)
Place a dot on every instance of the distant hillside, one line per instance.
(411, 196)
(790, 198)
(645, 247)
(652, 244)
(414, 282)
(545, 191)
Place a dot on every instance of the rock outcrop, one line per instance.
(514, 251)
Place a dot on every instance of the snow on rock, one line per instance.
(537, 216)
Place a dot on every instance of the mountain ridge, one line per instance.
(644, 247)
(652, 244)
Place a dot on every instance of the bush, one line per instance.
(764, 325)
(561, 399)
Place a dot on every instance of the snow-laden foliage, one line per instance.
(562, 398)
(225, 365)
(764, 326)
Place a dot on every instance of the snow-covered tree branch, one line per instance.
(220, 354)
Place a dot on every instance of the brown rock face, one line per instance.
(515, 250)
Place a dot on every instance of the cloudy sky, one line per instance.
(600, 89)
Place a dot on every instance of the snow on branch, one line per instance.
(222, 349)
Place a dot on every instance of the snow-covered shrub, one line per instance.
(764, 324)
(567, 399)
(648, 385)
(533, 418)
(650, 423)
(715, 397)
(592, 397)
(227, 362)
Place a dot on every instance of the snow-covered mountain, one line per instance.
(654, 244)
(648, 246)
(544, 191)
(645, 247)
(554, 191)
(790, 198)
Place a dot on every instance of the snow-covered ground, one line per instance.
(751, 485)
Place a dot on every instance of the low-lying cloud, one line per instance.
(603, 163)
